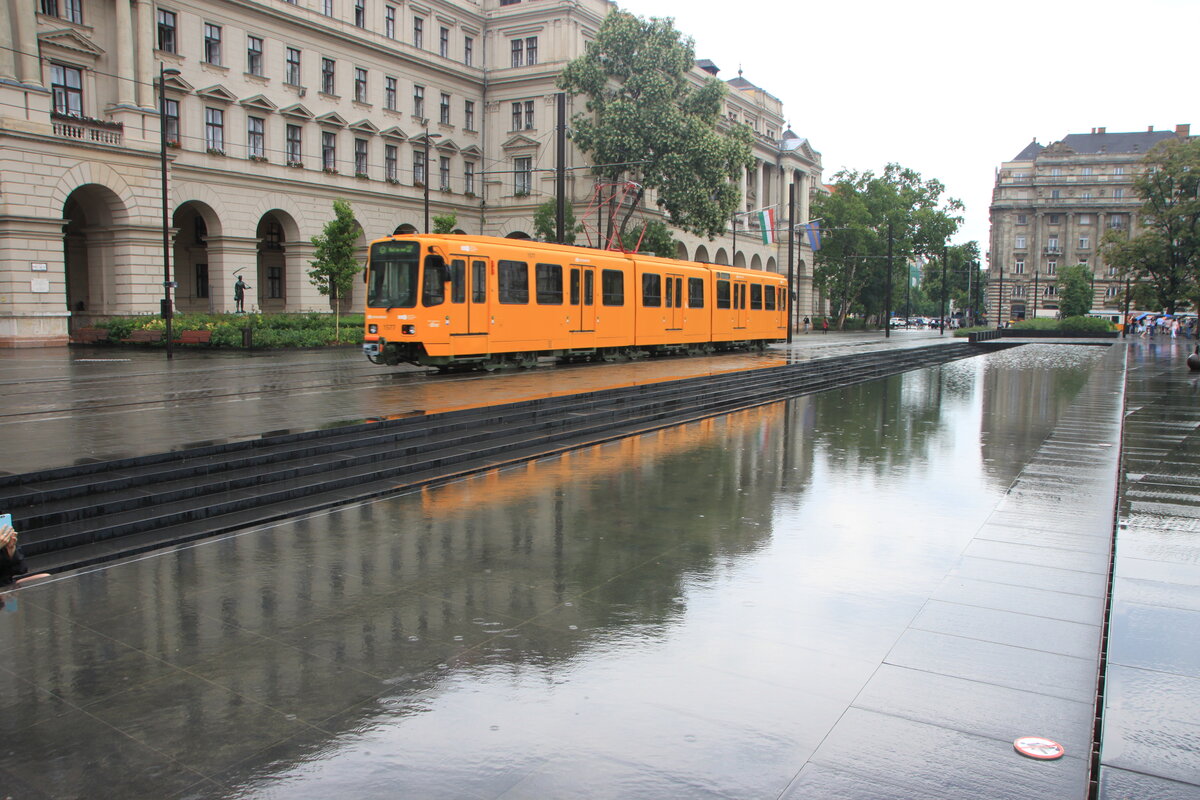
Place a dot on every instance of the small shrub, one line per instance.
(1085, 325)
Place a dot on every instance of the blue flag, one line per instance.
(814, 235)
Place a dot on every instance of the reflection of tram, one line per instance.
(451, 300)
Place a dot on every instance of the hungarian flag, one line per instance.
(766, 225)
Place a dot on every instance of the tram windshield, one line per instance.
(394, 270)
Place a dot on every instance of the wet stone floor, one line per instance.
(836, 596)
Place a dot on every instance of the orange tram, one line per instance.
(479, 302)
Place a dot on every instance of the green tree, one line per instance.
(650, 124)
(962, 273)
(1075, 291)
(851, 266)
(445, 223)
(334, 267)
(1166, 253)
(653, 237)
(545, 222)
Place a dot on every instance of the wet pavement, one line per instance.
(67, 406)
(869, 592)
(1152, 719)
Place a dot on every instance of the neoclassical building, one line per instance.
(273, 109)
(1050, 207)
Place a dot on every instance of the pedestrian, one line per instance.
(824, 324)
(239, 293)
(806, 324)
(12, 561)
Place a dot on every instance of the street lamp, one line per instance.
(166, 310)
(427, 137)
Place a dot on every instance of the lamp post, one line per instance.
(166, 310)
(427, 137)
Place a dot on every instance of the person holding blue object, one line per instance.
(12, 561)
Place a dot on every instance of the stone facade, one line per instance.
(275, 109)
(1050, 208)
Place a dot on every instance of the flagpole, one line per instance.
(791, 270)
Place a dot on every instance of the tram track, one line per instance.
(89, 513)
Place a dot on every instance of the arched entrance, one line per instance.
(722, 257)
(702, 254)
(517, 235)
(739, 259)
(193, 222)
(404, 229)
(276, 283)
(90, 253)
(681, 251)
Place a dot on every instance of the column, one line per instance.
(29, 70)
(298, 290)
(227, 255)
(125, 54)
(8, 62)
(145, 40)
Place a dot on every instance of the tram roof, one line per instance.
(554, 247)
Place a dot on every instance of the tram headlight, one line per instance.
(372, 328)
(408, 330)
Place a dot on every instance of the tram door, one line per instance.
(739, 304)
(582, 289)
(674, 301)
(478, 298)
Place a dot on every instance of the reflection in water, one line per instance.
(674, 614)
(1024, 390)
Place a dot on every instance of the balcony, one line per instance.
(1053, 250)
(85, 129)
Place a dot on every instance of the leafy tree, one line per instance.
(655, 237)
(851, 266)
(1166, 254)
(1075, 291)
(445, 223)
(649, 123)
(545, 222)
(962, 275)
(334, 267)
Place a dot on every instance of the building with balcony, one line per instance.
(1050, 208)
(273, 109)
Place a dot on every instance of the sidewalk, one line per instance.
(1151, 742)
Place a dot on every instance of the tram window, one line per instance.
(651, 290)
(679, 292)
(670, 298)
(739, 295)
(770, 298)
(589, 288)
(514, 282)
(695, 293)
(433, 289)
(723, 294)
(549, 284)
(393, 276)
(458, 281)
(574, 286)
(478, 281)
(612, 287)
(756, 296)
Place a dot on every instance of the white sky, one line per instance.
(951, 88)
